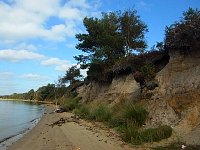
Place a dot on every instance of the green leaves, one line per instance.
(185, 34)
(72, 75)
(111, 37)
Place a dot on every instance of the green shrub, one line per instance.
(148, 70)
(128, 114)
(136, 114)
(131, 134)
(184, 34)
(135, 136)
(97, 113)
(83, 111)
(101, 113)
(70, 104)
(156, 134)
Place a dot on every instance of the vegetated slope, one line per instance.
(175, 102)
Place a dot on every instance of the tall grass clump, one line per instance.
(135, 114)
(135, 135)
(82, 111)
(70, 104)
(94, 112)
(128, 114)
(101, 113)
(156, 134)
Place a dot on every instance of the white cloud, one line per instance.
(143, 5)
(53, 61)
(63, 67)
(60, 65)
(6, 74)
(19, 55)
(26, 46)
(84, 72)
(31, 76)
(26, 19)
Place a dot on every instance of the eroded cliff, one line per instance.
(175, 102)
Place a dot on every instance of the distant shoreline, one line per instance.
(23, 100)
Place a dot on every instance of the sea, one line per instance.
(17, 118)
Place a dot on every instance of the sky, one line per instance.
(37, 37)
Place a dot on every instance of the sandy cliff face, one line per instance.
(180, 76)
(177, 99)
(123, 87)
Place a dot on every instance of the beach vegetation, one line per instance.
(184, 35)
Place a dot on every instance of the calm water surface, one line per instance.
(17, 116)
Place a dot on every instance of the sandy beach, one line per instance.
(71, 134)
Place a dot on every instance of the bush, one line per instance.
(148, 71)
(97, 113)
(101, 113)
(126, 114)
(131, 134)
(135, 136)
(83, 111)
(185, 34)
(70, 104)
(156, 134)
(136, 114)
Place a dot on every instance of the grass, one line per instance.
(136, 114)
(101, 113)
(126, 118)
(135, 135)
(128, 114)
(70, 104)
(98, 113)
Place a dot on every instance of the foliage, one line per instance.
(113, 36)
(30, 95)
(126, 114)
(94, 112)
(135, 136)
(72, 75)
(135, 114)
(128, 119)
(185, 34)
(148, 71)
(82, 111)
(156, 134)
(70, 103)
(101, 113)
(45, 92)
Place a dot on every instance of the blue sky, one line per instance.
(37, 37)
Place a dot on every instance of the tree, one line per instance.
(132, 30)
(72, 75)
(46, 92)
(185, 34)
(30, 94)
(110, 38)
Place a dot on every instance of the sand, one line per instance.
(74, 134)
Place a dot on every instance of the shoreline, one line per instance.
(24, 100)
(72, 134)
(8, 141)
